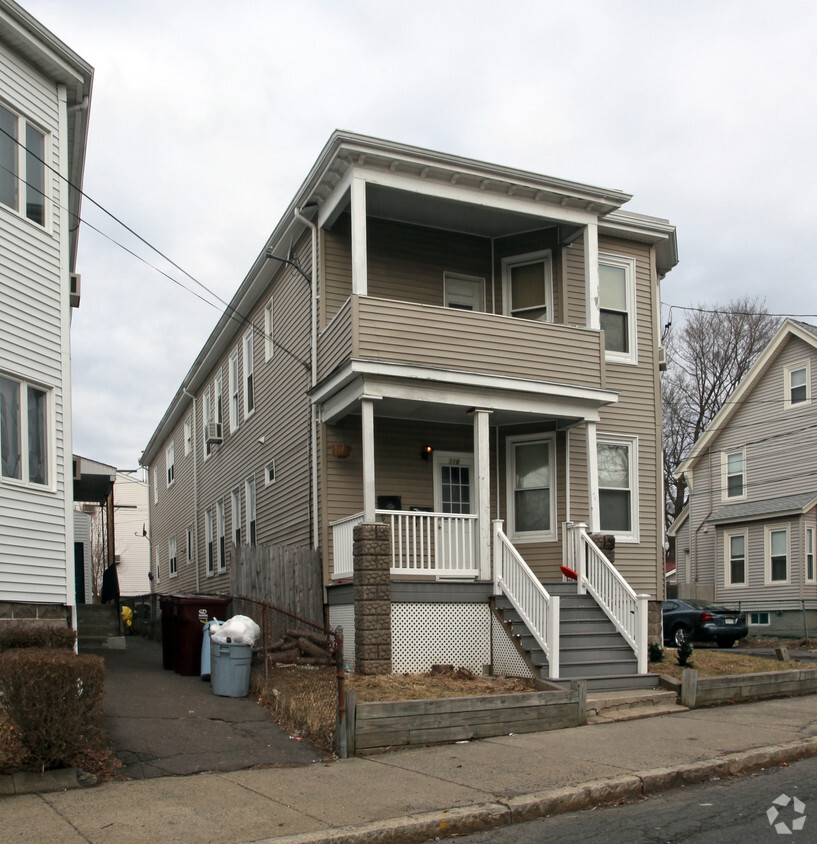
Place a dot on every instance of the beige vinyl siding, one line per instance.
(336, 341)
(336, 268)
(575, 283)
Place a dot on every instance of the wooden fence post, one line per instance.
(580, 686)
(689, 687)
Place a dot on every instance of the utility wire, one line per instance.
(734, 313)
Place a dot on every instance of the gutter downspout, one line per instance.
(313, 361)
(195, 487)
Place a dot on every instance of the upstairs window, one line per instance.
(25, 432)
(616, 307)
(188, 435)
(170, 463)
(236, 516)
(527, 286)
(233, 385)
(798, 392)
(208, 541)
(22, 172)
(734, 476)
(222, 557)
(206, 418)
(171, 552)
(249, 497)
(249, 384)
(269, 342)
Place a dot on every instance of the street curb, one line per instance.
(28, 782)
(527, 807)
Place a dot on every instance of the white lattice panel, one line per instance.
(506, 657)
(440, 634)
(344, 616)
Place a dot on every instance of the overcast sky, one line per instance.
(206, 117)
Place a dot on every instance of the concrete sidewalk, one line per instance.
(419, 794)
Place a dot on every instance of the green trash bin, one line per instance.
(230, 667)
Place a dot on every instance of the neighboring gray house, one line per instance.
(747, 535)
(465, 352)
(44, 97)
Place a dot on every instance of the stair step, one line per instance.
(612, 682)
(598, 668)
(574, 656)
(625, 705)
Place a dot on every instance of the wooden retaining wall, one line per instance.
(711, 691)
(375, 727)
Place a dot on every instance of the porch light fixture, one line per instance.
(426, 452)
(341, 450)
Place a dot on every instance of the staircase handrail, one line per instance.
(538, 609)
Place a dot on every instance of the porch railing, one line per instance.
(539, 609)
(439, 544)
(598, 576)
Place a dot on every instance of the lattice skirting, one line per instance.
(344, 616)
(507, 660)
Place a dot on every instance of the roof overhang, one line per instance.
(773, 508)
(679, 521)
(93, 481)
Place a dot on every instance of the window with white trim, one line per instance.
(269, 342)
(26, 436)
(733, 470)
(208, 540)
(188, 435)
(171, 553)
(170, 463)
(22, 170)
(798, 385)
(155, 472)
(206, 419)
(617, 307)
(811, 574)
(249, 384)
(777, 555)
(156, 565)
(269, 473)
(531, 487)
(618, 486)
(190, 548)
(759, 619)
(527, 286)
(235, 512)
(218, 401)
(249, 499)
(233, 385)
(221, 550)
(735, 559)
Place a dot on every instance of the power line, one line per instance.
(734, 313)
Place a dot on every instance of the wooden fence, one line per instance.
(286, 577)
(710, 691)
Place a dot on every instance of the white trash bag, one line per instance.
(238, 630)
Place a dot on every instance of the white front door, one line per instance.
(454, 494)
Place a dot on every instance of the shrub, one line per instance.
(21, 636)
(685, 654)
(53, 699)
(656, 652)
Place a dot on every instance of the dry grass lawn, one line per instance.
(716, 663)
(459, 683)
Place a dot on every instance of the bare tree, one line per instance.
(99, 551)
(707, 360)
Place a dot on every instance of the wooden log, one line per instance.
(315, 638)
(312, 649)
(283, 656)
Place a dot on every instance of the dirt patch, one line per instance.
(716, 663)
(791, 644)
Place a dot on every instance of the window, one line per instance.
(759, 619)
(22, 171)
(811, 575)
(616, 307)
(734, 481)
(777, 555)
(618, 491)
(527, 286)
(206, 418)
(235, 513)
(190, 551)
(798, 383)
(232, 383)
(735, 559)
(269, 473)
(155, 472)
(249, 394)
(531, 488)
(463, 292)
(269, 342)
(170, 463)
(171, 553)
(222, 558)
(249, 496)
(218, 400)
(208, 539)
(25, 432)
(188, 435)
(156, 564)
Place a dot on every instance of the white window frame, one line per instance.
(788, 372)
(218, 400)
(631, 442)
(449, 296)
(756, 614)
(233, 381)
(725, 455)
(808, 556)
(511, 261)
(235, 512)
(170, 463)
(206, 418)
(250, 506)
(221, 551)
(249, 375)
(269, 473)
(628, 265)
(20, 143)
(23, 386)
(209, 550)
(767, 554)
(156, 559)
(727, 558)
(191, 544)
(269, 337)
(173, 560)
(188, 435)
(155, 472)
(548, 439)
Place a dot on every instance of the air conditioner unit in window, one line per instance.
(212, 433)
(662, 358)
(75, 290)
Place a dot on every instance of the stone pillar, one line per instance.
(655, 622)
(607, 545)
(372, 582)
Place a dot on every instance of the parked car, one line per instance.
(702, 621)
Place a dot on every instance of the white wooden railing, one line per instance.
(439, 544)
(598, 576)
(539, 610)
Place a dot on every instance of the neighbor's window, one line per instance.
(734, 481)
(618, 510)
(797, 384)
(222, 557)
(156, 562)
(269, 473)
(759, 619)
(22, 171)
(249, 499)
(527, 286)
(811, 575)
(269, 342)
(531, 488)
(616, 307)
(235, 512)
(170, 463)
(249, 386)
(190, 549)
(232, 383)
(777, 555)
(188, 435)
(171, 552)
(208, 539)
(25, 448)
(736, 559)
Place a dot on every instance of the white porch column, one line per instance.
(482, 466)
(591, 274)
(593, 476)
(367, 436)
(360, 282)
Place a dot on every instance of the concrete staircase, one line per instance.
(591, 648)
(98, 627)
(606, 707)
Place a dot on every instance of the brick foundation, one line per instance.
(372, 582)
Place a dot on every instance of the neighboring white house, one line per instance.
(44, 96)
(132, 532)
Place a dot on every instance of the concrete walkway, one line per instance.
(417, 795)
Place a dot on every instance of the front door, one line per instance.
(453, 493)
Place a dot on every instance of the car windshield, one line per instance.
(706, 605)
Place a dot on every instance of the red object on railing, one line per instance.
(569, 573)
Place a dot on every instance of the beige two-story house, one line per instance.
(465, 352)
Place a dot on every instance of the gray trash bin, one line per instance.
(230, 669)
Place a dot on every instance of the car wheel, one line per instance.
(680, 635)
(726, 643)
